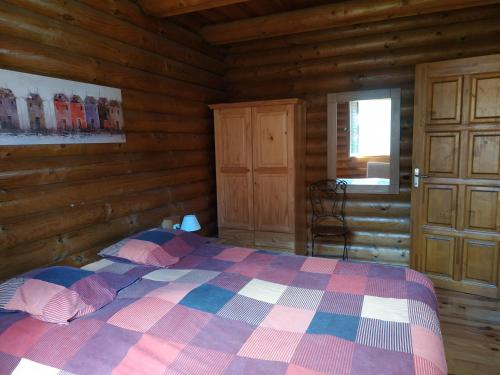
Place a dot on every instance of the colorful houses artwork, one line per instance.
(63, 114)
(115, 115)
(35, 112)
(91, 113)
(77, 109)
(103, 110)
(43, 110)
(9, 117)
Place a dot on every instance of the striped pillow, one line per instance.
(155, 247)
(60, 294)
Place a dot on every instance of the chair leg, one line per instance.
(345, 255)
(312, 246)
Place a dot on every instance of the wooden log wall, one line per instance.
(368, 56)
(60, 204)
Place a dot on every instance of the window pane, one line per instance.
(370, 127)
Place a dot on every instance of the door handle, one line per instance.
(417, 176)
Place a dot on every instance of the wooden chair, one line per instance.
(328, 211)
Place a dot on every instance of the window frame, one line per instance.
(332, 100)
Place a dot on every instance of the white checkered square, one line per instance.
(388, 309)
(99, 265)
(263, 291)
(26, 366)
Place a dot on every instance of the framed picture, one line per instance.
(36, 109)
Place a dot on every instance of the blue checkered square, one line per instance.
(156, 236)
(63, 276)
(207, 298)
(343, 326)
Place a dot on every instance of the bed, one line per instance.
(226, 310)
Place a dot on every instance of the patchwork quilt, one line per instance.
(224, 310)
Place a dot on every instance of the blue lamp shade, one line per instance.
(190, 223)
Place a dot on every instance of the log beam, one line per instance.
(328, 16)
(168, 8)
(391, 40)
(366, 29)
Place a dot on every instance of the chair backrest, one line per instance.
(328, 199)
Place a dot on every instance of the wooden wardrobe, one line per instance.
(456, 192)
(260, 156)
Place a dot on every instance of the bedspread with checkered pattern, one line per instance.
(224, 310)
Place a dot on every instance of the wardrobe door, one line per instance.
(233, 145)
(273, 168)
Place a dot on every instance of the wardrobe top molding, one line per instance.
(257, 103)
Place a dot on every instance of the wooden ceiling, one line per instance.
(168, 8)
(224, 22)
(242, 10)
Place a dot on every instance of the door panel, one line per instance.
(440, 203)
(480, 262)
(235, 209)
(442, 150)
(271, 207)
(484, 155)
(439, 255)
(271, 149)
(233, 137)
(456, 205)
(445, 100)
(485, 99)
(233, 141)
(273, 168)
(482, 208)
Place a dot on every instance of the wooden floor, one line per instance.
(471, 332)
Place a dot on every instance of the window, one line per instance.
(363, 140)
(370, 127)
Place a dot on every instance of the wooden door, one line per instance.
(233, 139)
(273, 168)
(456, 147)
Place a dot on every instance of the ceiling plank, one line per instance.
(167, 8)
(328, 16)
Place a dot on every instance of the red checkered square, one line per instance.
(428, 346)
(289, 319)
(62, 342)
(250, 270)
(141, 315)
(252, 265)
(319, 265)
(347, 284)
(150, 355)
(22, 335)
(234, 254)
(172, 292)
(271, 345)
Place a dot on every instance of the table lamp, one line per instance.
(190, 223)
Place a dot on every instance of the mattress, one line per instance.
(224, 310)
